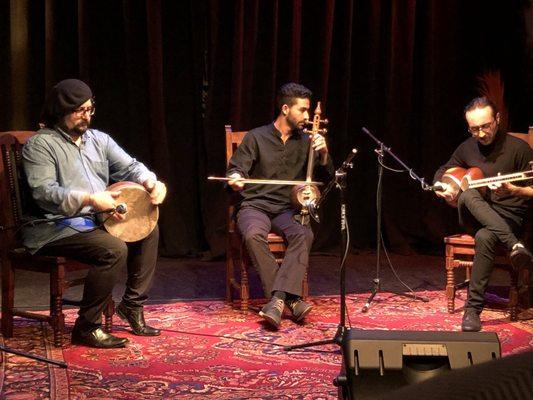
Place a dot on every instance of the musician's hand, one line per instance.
(104, 201)
(236, 183)
(505, 189)
(448, 194)
(319, 144)
(157, 190)
(525, 191)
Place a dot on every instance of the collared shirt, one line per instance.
(263, 155)
(59, 174)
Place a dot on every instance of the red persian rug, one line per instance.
(207, 350)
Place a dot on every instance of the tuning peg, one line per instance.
(324, 121)
(323, 131)
(305, 130)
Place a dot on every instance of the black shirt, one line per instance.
(505, 155)
(263, 155)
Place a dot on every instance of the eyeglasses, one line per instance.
(474, 130)
(81, 111)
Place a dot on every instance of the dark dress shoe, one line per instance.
(135, 318)
(97, 338)
(520, 257)
(299, 308)
(272, 311)
(471, 321)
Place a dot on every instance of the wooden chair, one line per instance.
(16, 200)
(460, 254)
(236, 253)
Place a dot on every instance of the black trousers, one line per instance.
(490, 224)
(108, 257)
(254, 226)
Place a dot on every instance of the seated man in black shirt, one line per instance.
(277, 151)
(497, 217)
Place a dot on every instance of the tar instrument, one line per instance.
(141, 215)
(461, 179)
(305, 196)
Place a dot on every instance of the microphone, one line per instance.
(348, 162)
(121, 208)
(438, 187)
(350, 157)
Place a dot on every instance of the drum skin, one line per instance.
(141, 216)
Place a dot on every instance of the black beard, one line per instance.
(80, 128)
(293, 125)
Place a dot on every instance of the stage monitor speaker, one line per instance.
(376, 362)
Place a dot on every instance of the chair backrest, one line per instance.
(233, 140)
(527, 137)
(14, 199)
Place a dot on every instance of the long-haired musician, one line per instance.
(277, 151)
(498, 216)
(68, 167)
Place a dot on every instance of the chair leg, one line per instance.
(450, 285)
(8, 298)
(305, 287)
(109, 311)
(523, 290)
(230, 271)
(245, 286)
(57, 318)
(513, 296)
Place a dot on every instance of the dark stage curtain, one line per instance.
(169, 74)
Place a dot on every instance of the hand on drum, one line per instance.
(157, 190)
(104, 201)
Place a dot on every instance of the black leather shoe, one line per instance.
(471, 321)
(299, 308)
(97, 338)
(520, 257)
(272, 311)
(135, 318)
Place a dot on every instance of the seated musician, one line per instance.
(68, 167)
(278, 151)
(499, 215)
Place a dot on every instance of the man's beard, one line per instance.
(294, 125)
(80, 128)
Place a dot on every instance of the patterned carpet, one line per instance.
(209, 351)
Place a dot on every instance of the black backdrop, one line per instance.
(168, 75)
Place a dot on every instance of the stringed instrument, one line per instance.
(140, 217)
(305, 196)
(461, 179)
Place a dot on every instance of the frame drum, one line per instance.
(141, 216)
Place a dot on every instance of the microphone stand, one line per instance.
(340, 183)
(34, 357)
(379, 191)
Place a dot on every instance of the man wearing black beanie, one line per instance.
(68, 167)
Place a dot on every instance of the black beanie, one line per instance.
(64, 98)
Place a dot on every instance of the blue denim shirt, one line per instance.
(60, 173)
